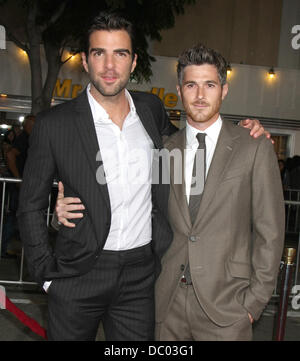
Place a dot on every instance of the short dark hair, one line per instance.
(29, 117)
(199, 55)
(108, 21)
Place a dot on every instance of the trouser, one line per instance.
(119, 291)
(187, 321)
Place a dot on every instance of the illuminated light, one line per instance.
(71, 56)
(3, 95)
(4, 126)
(229, 69)
(271, 73)
(23, 52)
(21, 119)
(23, 56)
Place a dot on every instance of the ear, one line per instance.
(84, 62)
(224, 91)
(134, 63)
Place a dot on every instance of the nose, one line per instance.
(109, 61)
(200, 92)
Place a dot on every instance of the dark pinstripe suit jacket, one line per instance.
(64, 143)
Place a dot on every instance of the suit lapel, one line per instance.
(225, 149)
(179, 142)
(86, 128)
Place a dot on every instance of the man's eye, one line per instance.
(211, 85)
(98, 53)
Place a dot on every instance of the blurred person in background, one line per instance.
(294, 179)
(6, 145)
(7, 142)
(16, 157)
(285, 178)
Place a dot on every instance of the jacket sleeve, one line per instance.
(268, 226)
(165, 127)
(33, 202)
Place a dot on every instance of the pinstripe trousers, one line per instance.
(118, 290)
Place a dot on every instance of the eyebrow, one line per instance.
(194, 82)
(189, 82)
(211, 81)
(121, 50)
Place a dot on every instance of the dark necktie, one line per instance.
(195, 199)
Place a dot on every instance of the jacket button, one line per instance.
(193, 238)
(182, 267)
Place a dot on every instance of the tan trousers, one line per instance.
(186, 321)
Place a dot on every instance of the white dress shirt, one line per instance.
(212, 135)
(127, 162)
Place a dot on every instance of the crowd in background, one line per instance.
(290, 172)
(14, 153)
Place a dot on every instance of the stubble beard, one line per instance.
(116, 89)
(205, 115)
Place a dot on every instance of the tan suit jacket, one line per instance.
(235, 246)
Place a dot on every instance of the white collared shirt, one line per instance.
(127, 162)
(212, 135)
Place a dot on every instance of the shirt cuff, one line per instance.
(46, 285)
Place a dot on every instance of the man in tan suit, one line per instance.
(232, 243)
(220, 270)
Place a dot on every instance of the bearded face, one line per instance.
(201, 94)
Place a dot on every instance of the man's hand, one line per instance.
(65, 206)
(256, 129)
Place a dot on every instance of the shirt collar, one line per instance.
(131, 103)
(212, 133)
(99, 113)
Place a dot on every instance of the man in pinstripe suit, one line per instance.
(104, 269)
